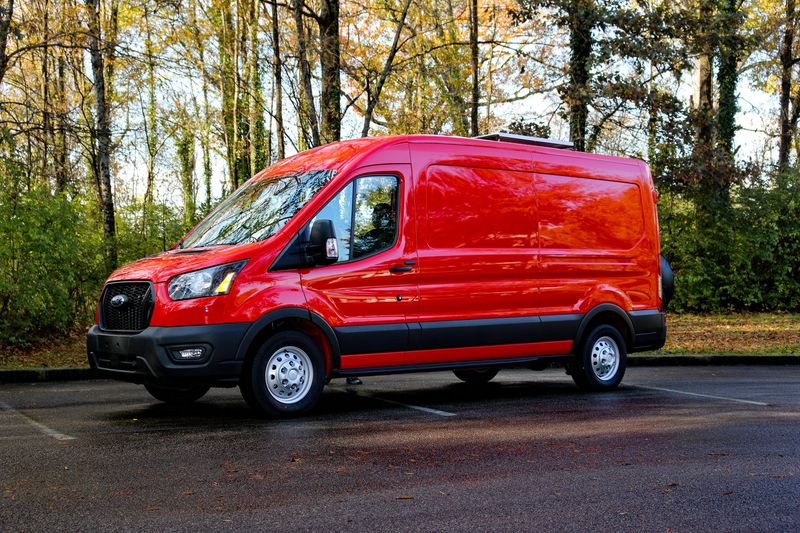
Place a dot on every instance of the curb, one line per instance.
(712, 360)
(36, 375)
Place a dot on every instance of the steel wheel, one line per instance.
(289, 374)
(285, 376)
(600, 359)
(605, 358)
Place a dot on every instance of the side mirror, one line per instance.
(322, 247)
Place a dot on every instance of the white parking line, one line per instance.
(726, 398)
(50, 432)
(406, 405)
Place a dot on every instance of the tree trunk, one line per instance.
(728, 75)
(453, 77)
(226, 45)
(47, 131)
(186, 159)
(237, 51)
(205, 135)
(256, 100)
(150, 125)
(277, 75)
(6, 15)
(307, 94)
(473, 45)
(205, 142)
(787, 62)
(582, 21)
(490, 67)
(109, 49)
(374, 96)
(62, 175)
(102, 134)
(652, 126)
(704, 83)
(330, 97)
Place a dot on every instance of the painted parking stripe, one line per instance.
(406, 405)
(726, 398)
(50, 432)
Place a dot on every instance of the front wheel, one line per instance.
(286, 376)
(601, 360)
(177, 395)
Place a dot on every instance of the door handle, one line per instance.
(398, 269)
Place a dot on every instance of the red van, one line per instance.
(396, 254)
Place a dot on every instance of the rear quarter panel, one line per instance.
(597, 237)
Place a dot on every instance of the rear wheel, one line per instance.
(177, 395)
(601, 360)
(286, 375)
(476, 375)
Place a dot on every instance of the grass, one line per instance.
(57, 351)
(733, 334)
(729, 334)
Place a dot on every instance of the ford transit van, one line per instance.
(396, 254)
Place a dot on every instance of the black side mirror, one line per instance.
(322, 247)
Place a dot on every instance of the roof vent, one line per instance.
(526, 139)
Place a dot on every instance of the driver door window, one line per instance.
(372, 226)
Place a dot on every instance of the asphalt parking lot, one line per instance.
(675, 449)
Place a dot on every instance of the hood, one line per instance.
(161, 267)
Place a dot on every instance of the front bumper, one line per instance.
(144, 357)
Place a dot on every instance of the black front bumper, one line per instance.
(144, 357)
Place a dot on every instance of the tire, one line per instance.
(476, 375)
(285, 377)
(601, 360)
(177, 395)
(667, 282)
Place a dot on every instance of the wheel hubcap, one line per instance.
(289, 374)
(605, 358)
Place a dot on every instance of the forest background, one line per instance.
(123, 122)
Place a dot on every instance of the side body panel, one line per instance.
(477, 254)
(515, 247)
(597, 241)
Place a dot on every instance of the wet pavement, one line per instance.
(675, 448)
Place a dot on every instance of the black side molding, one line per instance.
(456, 333)
(432, 367)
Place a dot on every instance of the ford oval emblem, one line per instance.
(119, 301)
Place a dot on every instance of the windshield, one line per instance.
(257, 210)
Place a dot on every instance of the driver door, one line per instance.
(370, 294)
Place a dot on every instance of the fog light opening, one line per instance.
(189, 354)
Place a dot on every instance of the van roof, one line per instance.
(336, 155)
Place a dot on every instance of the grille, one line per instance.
(134, 315)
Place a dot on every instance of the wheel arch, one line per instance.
(605, 314)
(292, 319)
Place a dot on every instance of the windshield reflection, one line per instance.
(257, 210)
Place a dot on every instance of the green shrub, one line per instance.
(50, 265)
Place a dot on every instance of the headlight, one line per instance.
(212, 281)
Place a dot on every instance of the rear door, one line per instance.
(371, 293)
